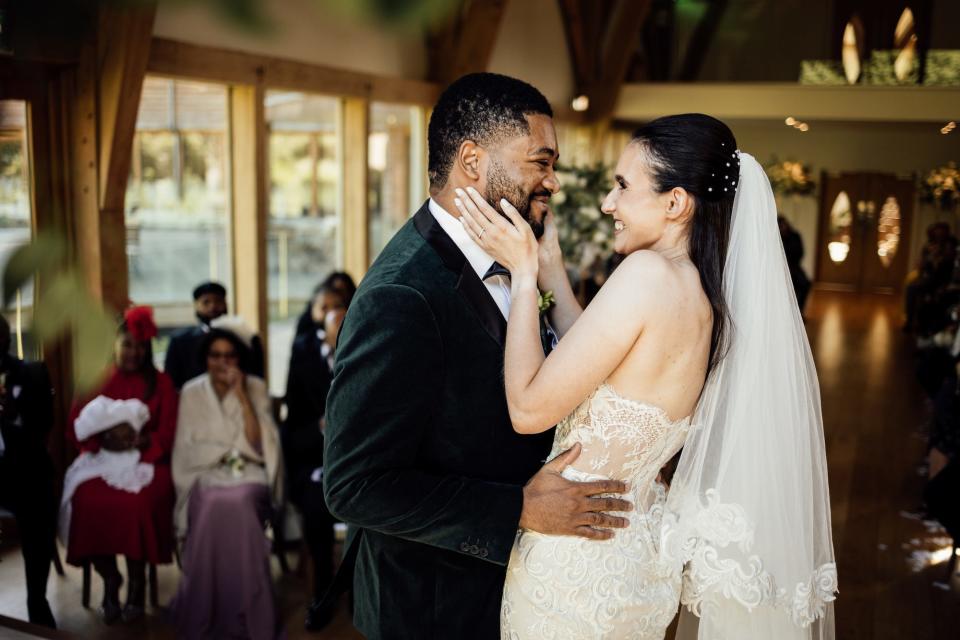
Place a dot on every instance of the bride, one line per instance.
(694, 342)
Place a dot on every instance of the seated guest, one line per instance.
(793, 248)
(943, 484)
(226, 470)
(108, 520)
(118, 424)
(26, 470)
(183, 360)
(339, 282)
(308, 382)
(924, 307)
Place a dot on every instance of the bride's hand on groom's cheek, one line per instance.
(556, 506)
(509, 240)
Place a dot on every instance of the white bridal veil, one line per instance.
(748, 515)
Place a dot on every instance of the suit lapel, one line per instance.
(469, 285)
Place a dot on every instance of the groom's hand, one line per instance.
(557, 506)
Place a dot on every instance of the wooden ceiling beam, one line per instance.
(177, 59)
(615, 49)
(465, 43)
(701, 39)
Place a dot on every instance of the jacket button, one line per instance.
(464, 547)
(484, 553)
(474, 549)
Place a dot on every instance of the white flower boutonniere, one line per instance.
(235, 463)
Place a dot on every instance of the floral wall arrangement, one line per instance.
(941, 186)
(790, 177)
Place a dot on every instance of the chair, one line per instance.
(278, 522)
(952, 563)
(152, 590)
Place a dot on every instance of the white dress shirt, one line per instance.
(481, 261)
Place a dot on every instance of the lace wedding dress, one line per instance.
(744, 539)
(566, 587)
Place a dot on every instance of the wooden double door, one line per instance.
(864, 237)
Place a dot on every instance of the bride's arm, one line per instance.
(542, 391)
(553, 278)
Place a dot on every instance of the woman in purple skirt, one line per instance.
(225, 468)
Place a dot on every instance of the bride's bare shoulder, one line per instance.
(646, 272)
(647, 281)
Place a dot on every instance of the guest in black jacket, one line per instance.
(338, 281)
(311, 371)
(26, 471)
(183, 361)
(793, 248)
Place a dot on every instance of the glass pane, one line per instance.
(396, 171)
(178, 205)
(841, 221)
(888, 231)
(303, 244)
(15, 216)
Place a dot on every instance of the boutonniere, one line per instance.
(545, 301)
(235, 463)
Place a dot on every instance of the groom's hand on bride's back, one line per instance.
(557, 506)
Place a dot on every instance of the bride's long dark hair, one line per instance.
(698, 153)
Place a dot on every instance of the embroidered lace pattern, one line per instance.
(565, 587)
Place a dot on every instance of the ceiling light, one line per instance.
(580, 103)
(790, 122)
(804, 127)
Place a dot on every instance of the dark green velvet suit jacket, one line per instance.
(420, 454)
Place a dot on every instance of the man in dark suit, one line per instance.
(183, 361)
(308, 383)
(420, 457)
(26, 470)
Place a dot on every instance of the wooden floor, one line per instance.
(874, 415)
(875, 419)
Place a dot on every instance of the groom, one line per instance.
(420, 457)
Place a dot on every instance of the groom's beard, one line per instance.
(499, 185)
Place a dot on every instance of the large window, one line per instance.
(15, 215)
(178, 204)
(303, 231)
(397, 174)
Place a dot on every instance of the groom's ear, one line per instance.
(469, 159)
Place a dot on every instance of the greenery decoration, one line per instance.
(942, 69)
(65, 308)
(585, 233)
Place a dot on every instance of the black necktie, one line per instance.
(496, 269)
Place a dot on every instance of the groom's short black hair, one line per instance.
(480, 107)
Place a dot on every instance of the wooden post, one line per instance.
(356, 205)
(250, 206)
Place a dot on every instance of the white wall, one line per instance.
(301, 30)
(531, 46)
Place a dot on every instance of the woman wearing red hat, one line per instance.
(109, 521)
